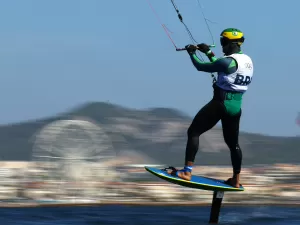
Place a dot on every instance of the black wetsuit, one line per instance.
(224, 106)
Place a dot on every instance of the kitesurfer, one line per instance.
(235, 71)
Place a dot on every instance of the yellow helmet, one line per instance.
(232, 35)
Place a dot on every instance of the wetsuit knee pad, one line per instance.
(234, 148)
(238, 149)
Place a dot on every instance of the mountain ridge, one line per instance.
(158, 133)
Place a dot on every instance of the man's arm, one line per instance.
(211, 56)
(226, 64)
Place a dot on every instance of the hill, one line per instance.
(157, 135)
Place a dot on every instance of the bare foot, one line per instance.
(234, 182)
(181, 174)
(185, 175)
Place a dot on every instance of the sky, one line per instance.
(55, 55)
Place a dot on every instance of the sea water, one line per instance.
(146, 215)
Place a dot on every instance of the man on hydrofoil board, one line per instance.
(235, 71)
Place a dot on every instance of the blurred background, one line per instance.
(96, 153)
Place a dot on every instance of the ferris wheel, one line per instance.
(72, 150)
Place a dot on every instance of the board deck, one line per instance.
(199, 182)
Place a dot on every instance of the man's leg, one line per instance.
(204, 120)
(230, 125)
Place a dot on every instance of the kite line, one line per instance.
(186, 27)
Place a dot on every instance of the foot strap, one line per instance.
(175, 171)
(185, 169)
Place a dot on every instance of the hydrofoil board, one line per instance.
(199, 182)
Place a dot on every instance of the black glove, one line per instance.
(191, 49)
(204, 48)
